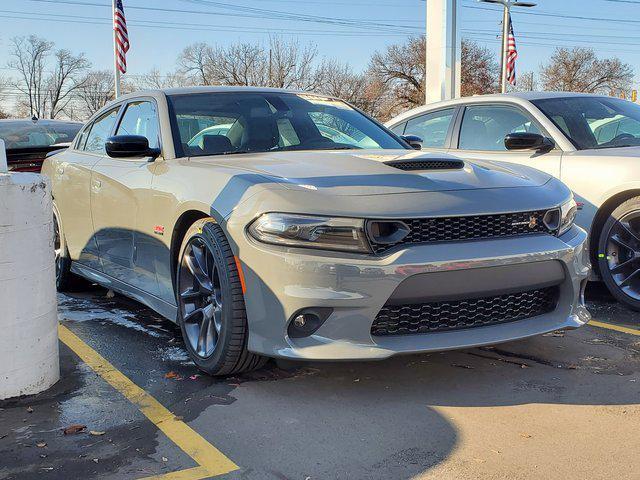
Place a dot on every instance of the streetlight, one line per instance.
(507, 4)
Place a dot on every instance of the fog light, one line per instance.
(307, 321)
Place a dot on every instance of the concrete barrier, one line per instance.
(28, 309)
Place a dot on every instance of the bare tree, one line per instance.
(4, 83)
(291, 65)
(195, 62)
(580, 70)
(96, 90)
(527, 82)
(282, 64)
(64, 80)
(154, 79)
(401, 68)
(479, 70)
(29, 57)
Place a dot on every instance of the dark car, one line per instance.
(28, 142)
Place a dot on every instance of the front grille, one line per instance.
(447, 229)
(435, 164)
(455, 315)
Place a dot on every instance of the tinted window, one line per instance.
(226, 123)
(100, 131)
(432, 127)
(594, 122)
(484, 127)
(141, 118)
(28, 134)
(399, 129)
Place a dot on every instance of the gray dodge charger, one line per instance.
(269, 223)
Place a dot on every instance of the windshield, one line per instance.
(27, 134)
(228, 123)
(593, 122)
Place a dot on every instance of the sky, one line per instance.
(349, 30)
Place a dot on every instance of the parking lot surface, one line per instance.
(564, 405)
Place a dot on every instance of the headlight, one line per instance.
(343, 234)
(568, 212)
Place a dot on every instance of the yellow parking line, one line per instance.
(617, 328)
(195, 473)
(210, 460)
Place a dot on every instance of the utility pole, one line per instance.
(506, 4)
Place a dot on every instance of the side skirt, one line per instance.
(167, 310)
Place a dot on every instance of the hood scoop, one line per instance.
(427, 164)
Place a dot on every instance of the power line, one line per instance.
(197, 27)
(557, 15)
(361, 23)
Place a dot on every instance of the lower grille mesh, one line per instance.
(459, 314)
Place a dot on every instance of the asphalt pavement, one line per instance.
(564, 405)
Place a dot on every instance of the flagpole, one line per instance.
(116, 70)
(505, 48)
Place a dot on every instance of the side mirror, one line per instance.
(128, 146)
(414, 141)
(528, 141)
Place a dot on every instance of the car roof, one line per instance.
(214, 89)
(515, 97)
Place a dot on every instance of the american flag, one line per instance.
(121, 36)
(512, 54)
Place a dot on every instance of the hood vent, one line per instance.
(427, 164)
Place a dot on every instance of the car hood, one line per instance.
(367, 172)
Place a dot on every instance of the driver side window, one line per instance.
(485, 126)
(141, 118)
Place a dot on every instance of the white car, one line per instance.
(592, 143)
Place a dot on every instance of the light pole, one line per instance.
(507, 4)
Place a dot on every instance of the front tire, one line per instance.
(619, 253)
(211, 309)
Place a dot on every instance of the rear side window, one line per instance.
(432, 127)
(99, 132)
(141, 118)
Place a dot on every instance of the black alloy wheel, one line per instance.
(210, 299)
(200, 298)
(619, 253)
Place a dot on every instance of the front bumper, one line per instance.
(281, 282)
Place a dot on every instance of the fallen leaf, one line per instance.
(173, 375)
(29, 409)
(460, 365)
(41, 444)
(97, 434)
(525, 435)
(73, 429)
(95, 460)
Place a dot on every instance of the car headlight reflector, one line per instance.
(568, 211)
(310, 231)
